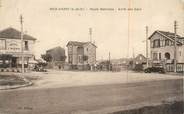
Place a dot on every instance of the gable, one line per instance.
(164, 35)
(157, 35)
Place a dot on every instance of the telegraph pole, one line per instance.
(90, 34)
(175, 46)
(109, 61)
(147, 47)
(22, 50)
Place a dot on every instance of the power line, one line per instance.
(90, 34)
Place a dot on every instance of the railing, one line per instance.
(179, 67)
(16, 52)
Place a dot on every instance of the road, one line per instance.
(97, 99)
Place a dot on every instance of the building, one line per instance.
(120, 64)
(162, 48)
(81, 53)
(140, 59)
(57, 53)
(58, 57)
(139, 62)
(10, 48)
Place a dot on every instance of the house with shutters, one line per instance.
(81, 53)
(162, 48)
(10, 48)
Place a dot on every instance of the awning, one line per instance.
(33, 62)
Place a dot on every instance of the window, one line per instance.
(167, 42)
(70, 58)
(155, 56)
(160, 56)
(162, 42)
(167, 55)
(156, 43)
(152, 44)
(26, 45)
(80, 58)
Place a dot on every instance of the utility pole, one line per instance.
(175, 46)
(133, 55)
(90, 34)
(109, 61)
(147, 47)
(22, 50)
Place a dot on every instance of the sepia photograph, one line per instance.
(91, 56)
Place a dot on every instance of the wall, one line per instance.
(90, 51)
(181, 54)
(13, 46)
(166, 49)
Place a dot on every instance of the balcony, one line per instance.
(16, 53)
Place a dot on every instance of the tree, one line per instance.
(46, 57)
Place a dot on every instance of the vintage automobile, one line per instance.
(154, 69)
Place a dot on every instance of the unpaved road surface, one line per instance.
(89, 99)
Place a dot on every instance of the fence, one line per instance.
(179, 67)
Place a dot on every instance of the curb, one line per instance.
(16, 86)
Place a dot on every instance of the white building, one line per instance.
(10, 48)
(162, 48)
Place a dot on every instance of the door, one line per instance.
(14, 62)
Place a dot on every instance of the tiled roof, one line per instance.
(169, 35)
(55, 48)
(76, 43)
(11, 33)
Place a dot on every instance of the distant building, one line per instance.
(120, 64)
(10, 48)
(57, 53)
(58, 57)
(139, 59)
(81, 53)
(162, 48)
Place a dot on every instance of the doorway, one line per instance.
(14, 62)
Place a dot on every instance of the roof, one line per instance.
(76, 43)
(11, 33)
(140, 55)
(58, 47)
(168, 35)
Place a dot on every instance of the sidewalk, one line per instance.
(11, 80)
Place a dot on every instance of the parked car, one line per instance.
(154, 69)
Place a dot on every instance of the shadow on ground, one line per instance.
(170, 108)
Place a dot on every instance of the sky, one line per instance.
(121, 33)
